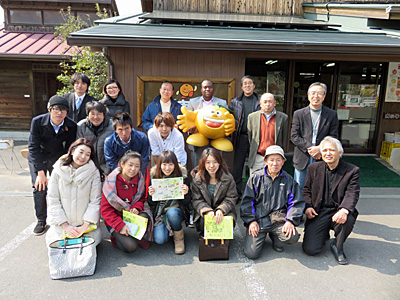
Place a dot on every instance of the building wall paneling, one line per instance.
(15, 82)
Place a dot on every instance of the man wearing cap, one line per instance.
(331, 192)
(272, 204)
(50, 136)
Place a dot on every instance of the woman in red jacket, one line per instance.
(125, 189)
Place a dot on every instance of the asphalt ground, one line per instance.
(373, 251)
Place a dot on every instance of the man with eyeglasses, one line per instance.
(309, 127)
(77, 100)
(50, 136)
(162, 103)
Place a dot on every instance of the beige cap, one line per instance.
(274, 149)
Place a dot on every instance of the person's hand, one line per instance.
(314, 152)
(71, 230)
(82, 229)
(218, 216)
(340, 217)
(134, 211)
(41, 181)
(311, 213)
(288, 229)
(151, 190)
(185, 189)
(125, 230)
(254, 228)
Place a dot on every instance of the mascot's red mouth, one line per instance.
(213, 123)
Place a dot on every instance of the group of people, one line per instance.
(101, 165)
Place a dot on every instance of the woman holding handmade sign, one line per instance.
(73, 212)
(170, 198)
(213, 189)
(122, 205)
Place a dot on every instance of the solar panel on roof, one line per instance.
(178, 16)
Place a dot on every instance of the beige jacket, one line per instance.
(73, 196)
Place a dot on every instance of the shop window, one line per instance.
(25, 17)
(358, 99)
(270, 76)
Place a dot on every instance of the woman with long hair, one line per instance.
(125, 189)
(169, 213)
(213, 189)
(74, 193)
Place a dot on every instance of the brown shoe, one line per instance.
(179, 242)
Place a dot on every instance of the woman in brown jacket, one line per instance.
(213, 189)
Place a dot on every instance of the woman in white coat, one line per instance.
(74, 193)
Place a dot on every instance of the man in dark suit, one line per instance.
(77, 100)
(265, 128)
(331, 192)
(310, 125)
(50, 137)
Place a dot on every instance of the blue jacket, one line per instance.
(154, 109)
(264, 195)
(114, 149)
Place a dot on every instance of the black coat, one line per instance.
(45, 146)
(345, 187)
(79, 114)
(302, 131)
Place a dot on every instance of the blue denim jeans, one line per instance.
(300, 175)
(175, 218)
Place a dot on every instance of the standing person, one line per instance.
(266, 127)
(125, 189)
(213, 189)
(50, 136)
(162, 103)
(272, 204)
(164, 136)
(123, 139)
(242, 106)
(77, 100)
(331, 191)
(206, 98)
(310, 125)
(75, 193)
(96, 128)
(113, 98)
(169, 213)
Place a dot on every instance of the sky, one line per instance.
(125, 7)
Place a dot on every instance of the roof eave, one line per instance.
(296, 47)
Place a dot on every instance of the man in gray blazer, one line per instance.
(310, 125)
(265, 128)
(206, 98)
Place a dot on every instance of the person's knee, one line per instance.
(311, 250)
(251, 253)
(160, 239)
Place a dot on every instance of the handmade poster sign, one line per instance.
(89, 229)
(224, 230)
(167, 188)
(136, 224)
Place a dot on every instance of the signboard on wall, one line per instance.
(393, 83)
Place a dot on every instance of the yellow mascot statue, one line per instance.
(212, 122)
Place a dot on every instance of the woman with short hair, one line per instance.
(96, 128)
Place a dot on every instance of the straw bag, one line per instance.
(72, 258)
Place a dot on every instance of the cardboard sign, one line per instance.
(224, 230)
(136, 224)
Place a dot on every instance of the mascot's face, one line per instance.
(210, 121)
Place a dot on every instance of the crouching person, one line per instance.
(272, 204)
(125, 189)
